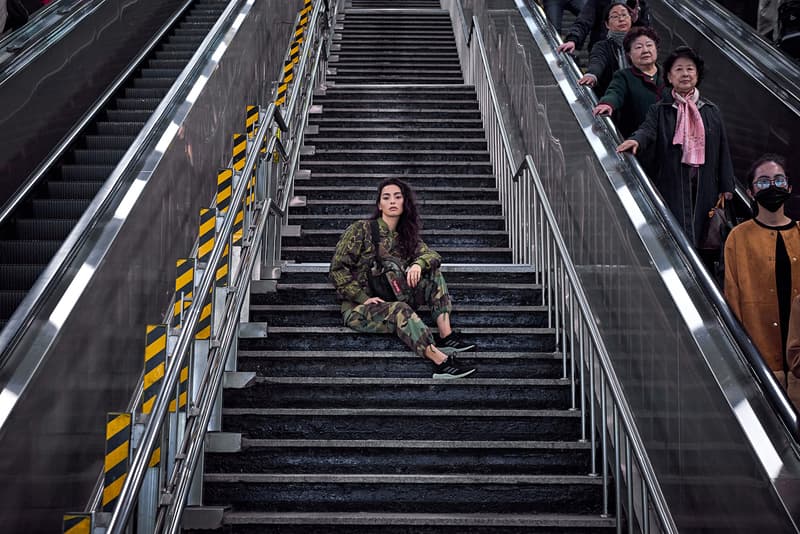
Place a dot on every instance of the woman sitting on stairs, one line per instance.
(398, 225)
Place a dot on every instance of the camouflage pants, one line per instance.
(401, 318)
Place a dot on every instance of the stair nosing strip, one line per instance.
(414, 444)
(364, 381)
(503, 480)
(405, 355)
(395, 412)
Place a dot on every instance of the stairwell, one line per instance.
(347, 432)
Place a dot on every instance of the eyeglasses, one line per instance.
(779, 180)
(619, 17)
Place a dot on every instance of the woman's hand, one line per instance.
(567, 47)
(588, 79)
(374, 300)
(413, 275)
(630, 144)
(603, 110)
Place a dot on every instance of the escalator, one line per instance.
(35, 223)
(719, 430)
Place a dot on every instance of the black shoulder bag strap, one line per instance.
(376, 239)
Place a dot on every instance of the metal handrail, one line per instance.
(575, 301)
(168, 519)
(775, 393)
(536, 239)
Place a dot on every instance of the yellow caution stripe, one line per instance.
(251, 120)
(184, 284)
(306, 10)
(238, 226)
(115, 467)
(155, 360)
(77, 523)
(223, 268)
(208, 231)
(250, 198)
(239, 151)
(224, 189)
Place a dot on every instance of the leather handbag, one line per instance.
(387, 277)
(718, 226)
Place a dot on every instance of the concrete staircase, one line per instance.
(347, 432)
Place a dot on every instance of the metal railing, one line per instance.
(606, 420)
(261, 238)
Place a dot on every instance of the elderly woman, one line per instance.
(633, 90)
(691, 155)
(590, 23)
(608, 56)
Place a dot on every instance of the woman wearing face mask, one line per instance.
(633, 90)
(762, 267)
(608, 56)
(690, 162)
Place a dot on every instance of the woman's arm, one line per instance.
(615, 95)
(345, 263)
(426, 258)
(648, 131)
(599, 62)
(793, 340)
(731, 274)
(725, 171)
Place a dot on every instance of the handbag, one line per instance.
(387, 276)
(718, 226)
(17, 15)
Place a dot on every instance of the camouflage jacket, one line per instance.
(354, 255)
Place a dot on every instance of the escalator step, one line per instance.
(184, 39)
(179, 47)
(75, 190)
(160, 73)
(44, 229)
(128, 115)
(191, 32)
(153, 82)
(19, 276)
(86, 173)
(119, 128)
(22, 252)
(176, 64)
(105, 142)
(59, 208)
(174, 55)
(98, 157)
(138, 103)
(143, 92)
(9, 301)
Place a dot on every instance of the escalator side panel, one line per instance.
(45, 98)
(57, 429)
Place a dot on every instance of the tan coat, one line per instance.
(750, 286)
(793, 341)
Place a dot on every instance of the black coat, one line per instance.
(672, 178)
(590, 22)
(603, 63)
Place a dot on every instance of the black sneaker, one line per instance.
(449, 369)
(453, 344)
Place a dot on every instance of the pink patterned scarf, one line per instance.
(689, 130)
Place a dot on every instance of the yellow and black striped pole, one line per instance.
(184, 286)
(118, 446)
(239, 151)
(155, 363)
(207, 237)
(78, 524)
(251, 121)
(224, 189)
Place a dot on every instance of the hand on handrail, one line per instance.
(588, 79)
(602, 110)
(567, 47)
(630, 144)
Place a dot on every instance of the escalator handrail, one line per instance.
(774, 392)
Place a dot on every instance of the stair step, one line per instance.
(386, 122)
(436, 239)
(394, 364)
(418, 457)
(423, 194)
(399, 133)
(341, 222)
(352, 392)
(384, 155)
(405, 493)
(414, 523)
(391, 143)
(404, 423)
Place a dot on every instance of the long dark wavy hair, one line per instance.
(409, 225)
